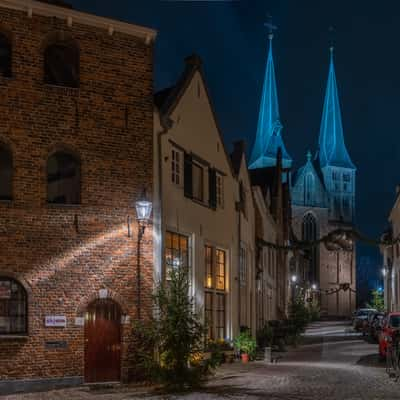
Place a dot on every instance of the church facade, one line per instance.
(323, 200)
(322, 197)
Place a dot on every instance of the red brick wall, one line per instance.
(65, 254)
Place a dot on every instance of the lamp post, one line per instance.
(143, 212)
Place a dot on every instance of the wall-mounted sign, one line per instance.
(56, 344)
(125, 319)
(59, 321)
(103, 293)
(79, 321)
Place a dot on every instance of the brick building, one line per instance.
(76, 151)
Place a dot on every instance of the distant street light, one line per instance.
(294, 278)
(314, 286)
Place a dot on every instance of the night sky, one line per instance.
(232, 41)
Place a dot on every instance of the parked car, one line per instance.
(390, 326)
(360, 316)
(375, 325)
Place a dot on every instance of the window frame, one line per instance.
(220, 190)
(7, 39)
(176, 166)
(213, 292)
(7, 150)
(180, 237)
(25, 315)
(69, 44)
(78, 176)
(201, 181)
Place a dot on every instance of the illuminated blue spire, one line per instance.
(268, 138)
(332, 150)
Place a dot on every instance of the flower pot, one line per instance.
(245, 358)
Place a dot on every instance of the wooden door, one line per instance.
(103, 341)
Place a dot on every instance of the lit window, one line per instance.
(220, 191)
(63, 178)
(5, 56)
(176, 167)
(209, 267)
(13, 307)
(198, 182)
(61, 63)
(6, 173)
(176, 252)
(220, 269)
(215, 266)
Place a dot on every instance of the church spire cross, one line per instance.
(268, 137)
(271, 27)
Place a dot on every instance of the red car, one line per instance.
(391, 324)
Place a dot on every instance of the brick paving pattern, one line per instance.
(335, 365)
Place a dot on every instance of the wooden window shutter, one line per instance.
(188, 177)
(212, 188)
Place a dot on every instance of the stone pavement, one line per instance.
(334, 364)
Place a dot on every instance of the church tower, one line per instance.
(323, 200)
(268, 137)
(337, 168)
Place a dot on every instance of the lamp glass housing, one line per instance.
(143, 210)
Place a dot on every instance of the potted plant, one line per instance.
(246, 345)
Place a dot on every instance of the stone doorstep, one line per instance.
(8, 387)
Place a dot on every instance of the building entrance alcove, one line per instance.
(103, 341)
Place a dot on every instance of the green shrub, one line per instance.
(177, 335)
(245, 343)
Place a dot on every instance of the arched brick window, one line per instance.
(5, 55)
(61, 63)
(63, 178)
(13, 307)
(6, 172)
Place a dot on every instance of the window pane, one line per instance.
(220, 273)
(176, 252)
(220, 311)
(13, 306)
(209, 282)
(208, 313)
(197, 173)
(62, 64)
(6, 172)
(5, 56)
(63, 179)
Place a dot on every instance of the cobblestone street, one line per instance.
(333, 364)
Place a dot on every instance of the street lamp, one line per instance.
(314, 286)
(294, 278)
(143, 212)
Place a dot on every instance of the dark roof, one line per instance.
(239, 149)
(168, 98)
(161, 97)
(59, 3)
(265, 178)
